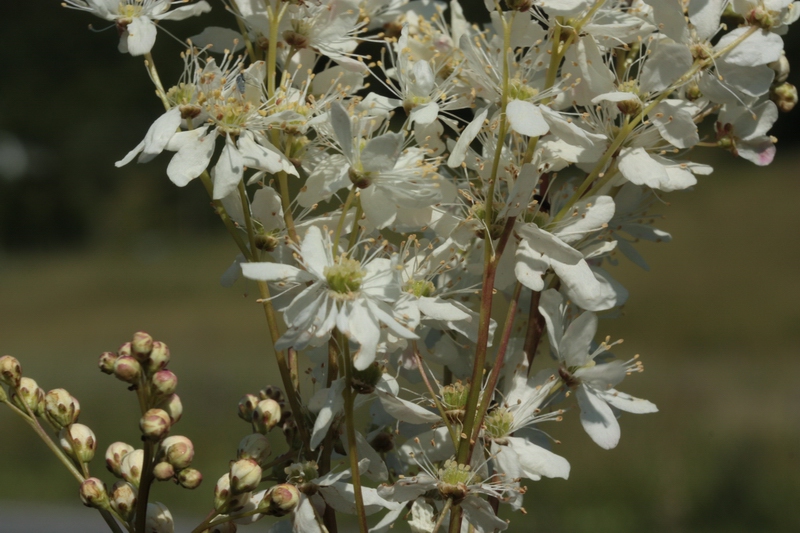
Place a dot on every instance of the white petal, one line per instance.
(459, 151)
(274, 272)
(141, 36)
(549, 245)
(597, 418)
(425, 114)
(219, 39)
(435, 444)
(760, 48)
(381, 153)
(675, 123)
(668, 16)
(704, 16)
(406, 411)
(184, 12)
(378, 207)
(333, 406)
(525, 118)
(440, 309)
(530, 266)
(574, 346)
(228, 171)
(668, 62)
(160, 133)
(480, 514)
(192, 158)
(551, 305)
(626, 402)
(316, 252)
(340, 121)
(638, 167)
(536, 461)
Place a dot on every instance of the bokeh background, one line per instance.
(90, 253)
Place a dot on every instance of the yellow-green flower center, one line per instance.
(518, 90)
(498, 423)
(419, 287)
(454, 473)
(345, 276)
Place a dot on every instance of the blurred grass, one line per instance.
(715, 321)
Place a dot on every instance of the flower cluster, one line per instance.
(386, 207)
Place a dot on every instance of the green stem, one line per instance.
(340, 226)
(440, 518)
(434, 396)
(283, 184)
(248, 220)
(145, 481)
(223, 215)
(352, 451)
(354, 231)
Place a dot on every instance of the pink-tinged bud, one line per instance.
(266, 415)
(29, 395)
(78, 441)
(159, 519)
(93, 493)
(224, 500)
(163, 471)
(155, 424)
(284, 499)
(245, 476)
(784, 96)
(141, 346)
(123, 500)
(159, 357)
(178, 451)
(125, 349)
(163, 383)
(127, 369)
(173, 406)
(114, 455)
(10, 371)
(247, 405)
(190, 478)
(781, 68)
(106, 362)
(256, 447)
(60, 408)
(131, 467)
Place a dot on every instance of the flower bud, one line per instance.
(60, 408)
(29, 394)
(114, 455)
(364, 381)
(272, 392)
(283, 499)
(784, 96)
(93, 493)
(266, 415)
(155, 424)
(178, 451)
(159, 357)
(163, 383)
(781, 68)
(225, 527)
(125, 349)
(141, 346)
(10, 371)
(127, 369)
(224, 501)
(523, 6)
(159, 519)
(123, 500)
(3, 395)
(173, 407)
(190, 478)
(78, 441)
(106, 362)
(247, 405)
(163, 471)
(245, 476)
(256, 447)
(131, 467)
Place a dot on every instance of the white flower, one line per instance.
(593, 381)
(744, 132)
(135, 19)
(340, 293)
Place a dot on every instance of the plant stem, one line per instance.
(151, 70)
(340, 226)
(434, 396)
(442, 514)
(143, 493)
(352, 451)
(283, 184)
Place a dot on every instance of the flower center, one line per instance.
(419, 287)
(345, 276)
(518, 90)
(498, 423)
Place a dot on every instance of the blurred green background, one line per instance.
(90, 253)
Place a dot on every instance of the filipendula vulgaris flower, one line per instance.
(395, 184)
(353, 296)
(232, 102)
(580, 370)
(135, 20)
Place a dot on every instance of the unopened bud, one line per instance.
(141, 346)
(93, 493)
(173, 407)
(284, 499)
(383, 442)
(159, 519)
(163, 471)
(256, 447)
(245, 476)
(266, 415)
(247, 405)
(60, 408)
(3, 395)
(78, 441)
(29, 394)
(10, 371)
(159, 357)
(106, 362)
(163, 383)
(127, 369)
(225, 527)
(784, 96)
(131, 467)
(190, 478)
(123, 500)
(178, 451)
(224, 501)
(155, 424)
(125, 349)
(114, 455)
(364, 381)
(272, 392)
(781, 68)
